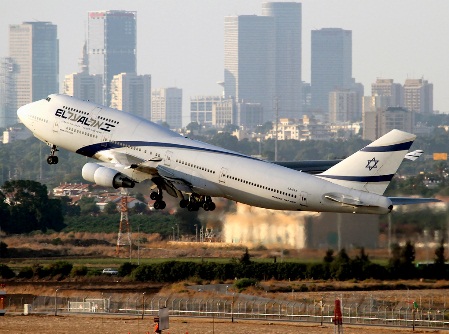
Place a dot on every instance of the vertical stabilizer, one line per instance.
(372, 168)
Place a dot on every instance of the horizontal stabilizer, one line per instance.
(414, 155)
(411, 200)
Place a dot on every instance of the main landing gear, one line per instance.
(196, 201)
(52, 158)
(157, 196)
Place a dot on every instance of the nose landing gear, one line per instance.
(52, 158)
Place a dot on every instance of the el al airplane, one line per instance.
(132, 149)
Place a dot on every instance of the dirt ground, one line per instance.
(46, 324)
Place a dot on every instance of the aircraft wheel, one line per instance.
(211, 206)
(183, 203)
(52, 160)
(159, 205)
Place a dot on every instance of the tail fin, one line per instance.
(372, 168)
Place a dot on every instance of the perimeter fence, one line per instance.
(363, 310)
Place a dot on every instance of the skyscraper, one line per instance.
(166, 106)
(287, 21)
(8, 114)
(250, 60)
(34, 49)
(331, 64)
(111, 45)
(132, 93)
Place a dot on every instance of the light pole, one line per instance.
(173, 233)
(143, 304)
(196, 232)
(177, 226)
(56, 302)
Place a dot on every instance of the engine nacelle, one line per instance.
(106, 177)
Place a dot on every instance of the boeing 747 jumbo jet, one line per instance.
(131, 149)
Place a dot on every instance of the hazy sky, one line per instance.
(180, 42)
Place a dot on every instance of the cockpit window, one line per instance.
(48, 98)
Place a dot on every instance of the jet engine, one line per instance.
(106, 177)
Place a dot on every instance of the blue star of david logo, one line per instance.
(372, 163)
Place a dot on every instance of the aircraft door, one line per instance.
(222, 177)
(56, 124)
(303, 199)
(168, 158)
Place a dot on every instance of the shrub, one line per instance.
(126, 268)
(25, 272)
(62, 268)
(243, 283)
(6, 272)
(79, 271)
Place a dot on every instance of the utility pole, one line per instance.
(196, 232)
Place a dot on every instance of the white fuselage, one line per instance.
(100, 132)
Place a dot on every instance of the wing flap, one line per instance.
(340, 198)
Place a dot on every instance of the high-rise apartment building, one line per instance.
(382, 121)
(132, 93)
(343, 106)
(392, 92)
(331, 64)
(111, 45)
(34, 49)
(8, 113)
(201, 109)
(250, 61)
(418, 96)
(287, 23)
(166, 106)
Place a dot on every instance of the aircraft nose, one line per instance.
(21, 113)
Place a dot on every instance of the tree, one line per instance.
(68, 208)
(245, 258)
(110, 208)
(30, 208)
(3, 249)
(88, 206)
(439, 267)
(329, 257)
(193, 126)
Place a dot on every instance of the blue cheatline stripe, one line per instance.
(388, 148)
(91, 150)
(377, 178)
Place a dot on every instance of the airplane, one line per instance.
(131, 149)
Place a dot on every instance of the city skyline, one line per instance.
(181, 44)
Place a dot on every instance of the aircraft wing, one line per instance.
(173, 184)
(411, 200)
(160, 175)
